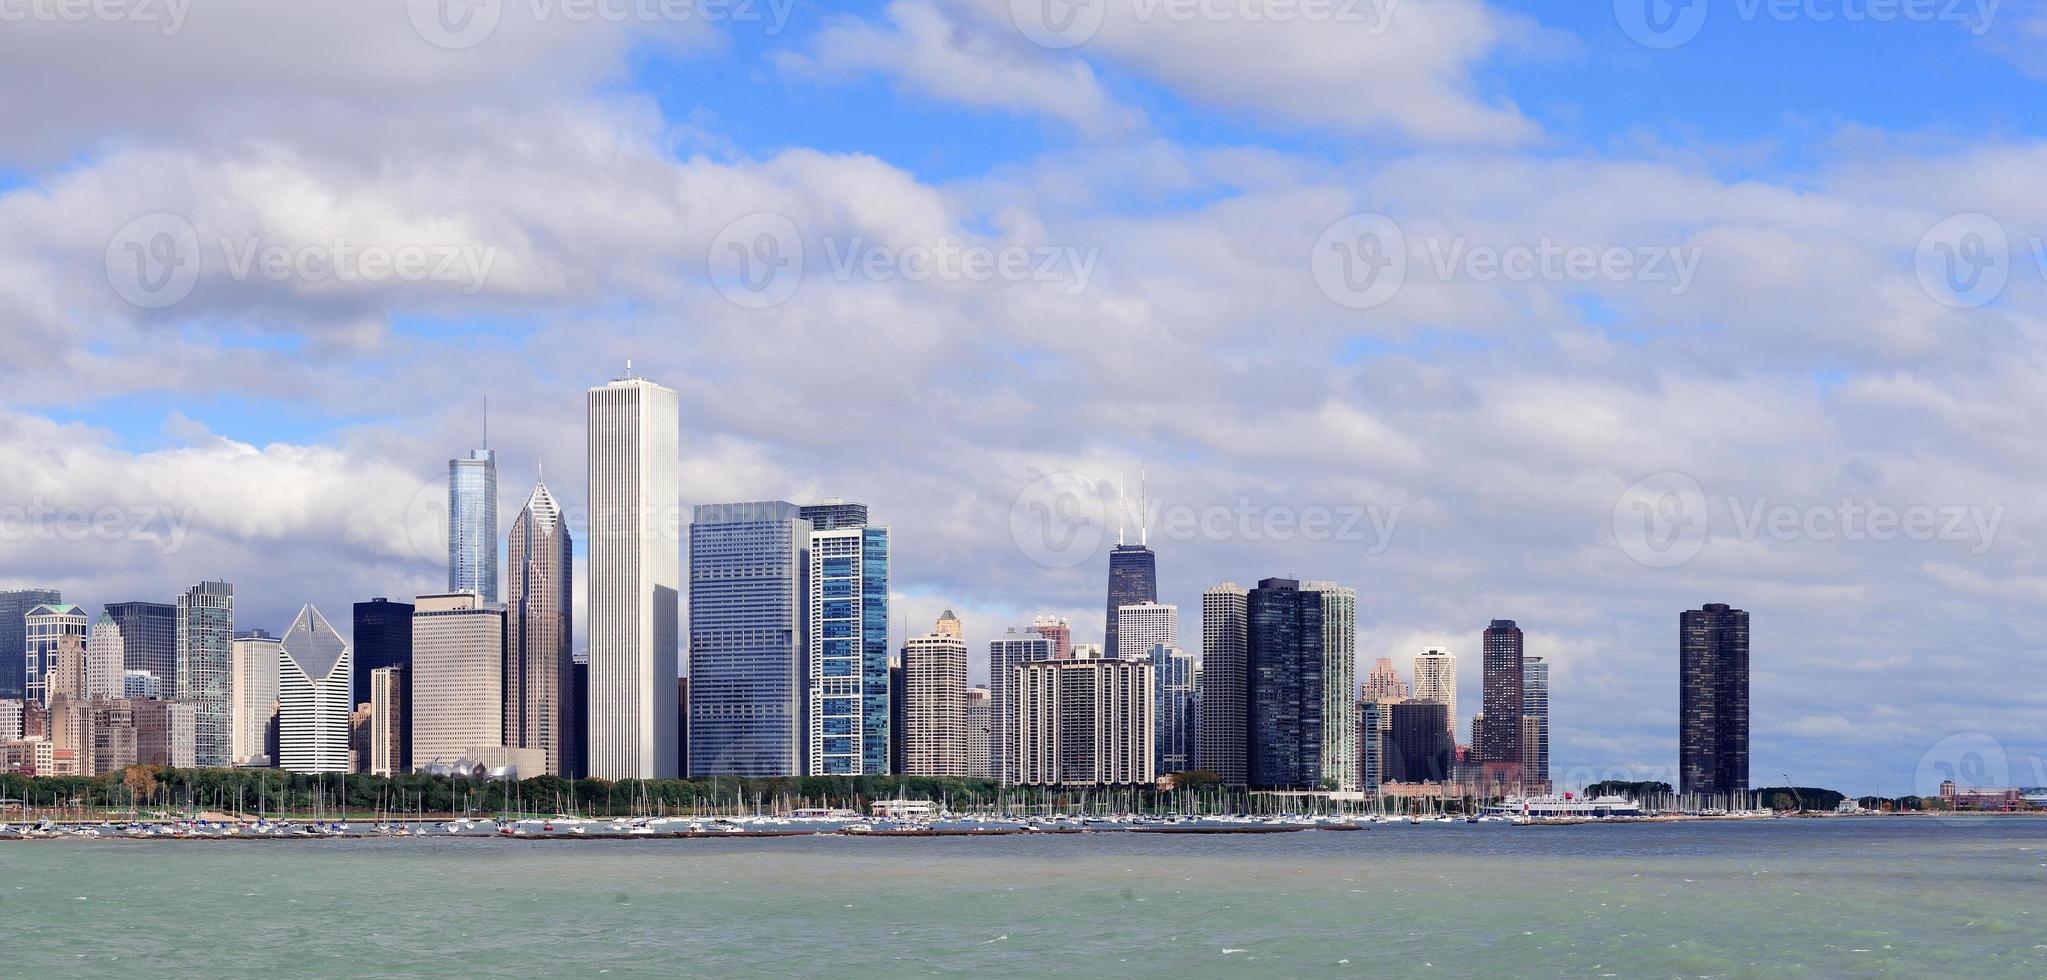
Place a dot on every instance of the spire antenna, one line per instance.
(486, 421)
(1143, 515)
(1120, 510)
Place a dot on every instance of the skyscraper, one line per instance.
(1059, 631)
(935, 703)
(834, 513)
(1384, 685)
(1133, 579)
(383, 638)
(748, 567)
(47, 627)
(1176, 674)
(1225, 684)
(14, 607)
(1084, 722)
(473, 524)
(1285, 686)
(312, 697)
(457, 678)
(104, 648)
(1435, 679)
(149, 638)
(1371, 745)
(258, 660)
(1535, 723)
(1712, 706)
(847, 707)
(205, 671)
(539, 659)
(980, 735)
(635, 562)
(1340, 759)
(1015, 647)
(1501, 695)
(1142, 626)
(1420, 747)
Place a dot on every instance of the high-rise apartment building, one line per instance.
(14, 608)
(457, 678)
(1535, 723)
(1420, 748)
(1176, 677)
(847, 706)
(313, 689)
(1015, 647)
(1501, 695)
(1284, 629)
(1713, 702)
(1059, 631)
(104, 649)
(748, 568)
(935, 703)
(387, 752)
(149, 638)
(1225, 684)
(48, 626)
(166, 733)
(1339, 684)
(1371, 745)
(980, 735)
(473, 524)
(1143, 625)
(635, 564)
(539, 655)
(205, 669)
(1435, 679)
(1085, 723)
(258, 660)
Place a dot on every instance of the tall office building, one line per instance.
(1712, 707)
(258, 659)
(1435, 679)
(104, 648)
(1225, 683)
(205, 669)
(1501, 694)
(581, 672)
(312, 697)
(1176, 675)
(935, 704)
(48, 626)
(1143, 625)
(950, 625)
(898, 722)
(748, 566)
(383, 638)
(387, 738)
(1133, 580)
(1420, 747)
(635, 564)
(1371, 745)
(1085, 722)
(1059, 631)
(1014, 648)
(1535, 723)
(473, 524)
(457, 678)
(1339, 684)
(14, 607)
(980, 735)
(539, 656)
(1285, 686)
(149, 638)
(847, 705)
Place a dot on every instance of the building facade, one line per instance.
(1133, 580)
(104, 648)
(1713, 701)
(14, 608)
(935, 704)
(473, 524)
(980, 735)
(47, 627)
(1501, 694)
(149, 638)
(1225, 684)
(1142, 626)
(383, 638)
(1371, 745)
(1339, 684)
(1435, 679)
(1176, 678)
(635, 563)
(205, 669)
(1419, 748)
(166, 733)
(847, 706)
(539, 653)
(258, 659)
(457, 678)
(1084, 723)
(313, 690)
(386, 736)
(1535, 723)
(749, 565)
(1059, 631)
(1014, 648)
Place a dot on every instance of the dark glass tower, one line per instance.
(1133, 579)
(1501, 738)
(14, 607)
(149, 638)
(1419, 748)
(383, 638)
(1284, 650)
(1712, 701)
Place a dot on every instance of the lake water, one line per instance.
(1844, 897)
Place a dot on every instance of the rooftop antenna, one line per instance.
(1120, 512)
(1143, 515)
(486, 421)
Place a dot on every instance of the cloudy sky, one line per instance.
(1576, 314)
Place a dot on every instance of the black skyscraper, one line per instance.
(149, 639)
(1284, 647)
(1419, 748)
(14, 607)
(383, 638)
(1712, 706)
(580, 728)
(1502, 693)
(1133, 579)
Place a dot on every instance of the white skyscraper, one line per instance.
(104, 664)
(257, 666)
(1141, 626)
(935, 705)
(1435, 679)
(312, 694)
(1341, 760)
(635, 562)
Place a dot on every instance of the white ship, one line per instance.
(1564, 807)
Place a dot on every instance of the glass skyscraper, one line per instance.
(1176, 674)
(1535, 722)
(473, 524)
(47, 626)
(748, 569)
(1133, 580)
(847, 674)
(205, 670)
(14, 607)
(383, 638)
(1225, 710)
(1339, 683)
(1501, 694)
(1284, 633)
(1712, 712)
(149, 638)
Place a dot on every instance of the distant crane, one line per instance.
(1795, 795)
